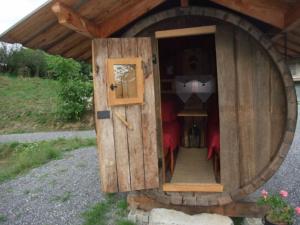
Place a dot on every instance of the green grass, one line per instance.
(2, 218)
(17, 158)
(113, 210)
(30, 104)
(237, 220)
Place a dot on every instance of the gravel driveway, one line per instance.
(56, 193)
(41, 136)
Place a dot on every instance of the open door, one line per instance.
(126, 133)
(189, 109)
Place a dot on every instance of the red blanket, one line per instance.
(171, 136)
(213, 141)
(213, 127)
(171, 126)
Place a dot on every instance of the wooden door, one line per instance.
(127, 154)
(251, 106)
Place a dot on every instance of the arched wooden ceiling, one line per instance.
(66, 27)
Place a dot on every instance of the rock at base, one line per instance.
(172, 217)
(252, 221)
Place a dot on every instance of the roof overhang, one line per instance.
(66, 27)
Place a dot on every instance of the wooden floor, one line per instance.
(192, 166)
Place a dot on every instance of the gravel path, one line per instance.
(40, 136)
(54, 194)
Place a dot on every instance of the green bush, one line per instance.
(75, 87)
(63, 69)
(74, 96)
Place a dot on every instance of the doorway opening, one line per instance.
(190, 111)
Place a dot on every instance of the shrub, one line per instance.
(75, 88)
(63, 69)
(74, 95)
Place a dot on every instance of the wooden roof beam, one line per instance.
(126, 16)
(78, 23)
(67, 17)
(263, 11)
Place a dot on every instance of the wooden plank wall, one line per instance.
(227, 108)
(128, 157)
(252, 106)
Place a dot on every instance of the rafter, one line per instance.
(67, 17)
(263, 12)
(73, 20)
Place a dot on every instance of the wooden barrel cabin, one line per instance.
(195, 107)
(244, 119)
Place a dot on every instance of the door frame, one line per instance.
(172, 33)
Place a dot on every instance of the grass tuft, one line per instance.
(238, 220)
(2, 218)
(17, 158)
(63, 198)
(112, 210)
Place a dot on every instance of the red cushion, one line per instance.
(213, 141)
(168, 111)
(171, 136)
(213, 127)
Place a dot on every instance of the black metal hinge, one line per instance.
(154, 59)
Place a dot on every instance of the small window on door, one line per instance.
(125, 81)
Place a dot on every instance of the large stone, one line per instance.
(252, 221)
(172, 217)
(139, 217)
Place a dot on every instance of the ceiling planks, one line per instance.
(78, 49)
(65, 45)
(73, 20)
(261, 10)
(292, 18)
(126, 16)
(282, 14)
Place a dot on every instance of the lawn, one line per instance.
(112, 210)
(30, 104)
(17, 158)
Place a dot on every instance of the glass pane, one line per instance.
(125, 80)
